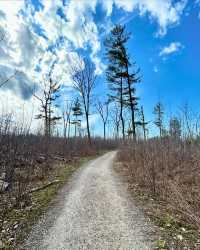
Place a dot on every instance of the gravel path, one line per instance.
(93, 212)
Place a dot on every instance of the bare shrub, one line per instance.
(27, 159)
(169, 170)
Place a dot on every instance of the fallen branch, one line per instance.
(43, 187)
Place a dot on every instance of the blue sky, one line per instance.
(165, 43)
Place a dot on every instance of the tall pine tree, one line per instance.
(120, 74)
(114, 69)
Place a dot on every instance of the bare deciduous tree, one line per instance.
(115, 116)
(83, 76)
(66, 116)
(49, 95)
(102, 109)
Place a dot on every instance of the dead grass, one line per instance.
(18, 222)
(165, 176)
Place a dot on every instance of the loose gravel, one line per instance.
(92, 212)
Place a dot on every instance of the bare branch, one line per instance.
(9, 78)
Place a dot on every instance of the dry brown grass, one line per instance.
(170, 171)
(27, 161)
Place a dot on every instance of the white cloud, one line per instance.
(24, 48)
(48, 20)
(81, 29)
(108, 6)
(31, 33)
(21, 48)
(171, 48)
(165, 12)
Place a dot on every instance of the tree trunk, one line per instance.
(121, 110)
(88, 128)
(117, 131)
(104, 131)
(131, 104)
(64, 131)
(143, 123)
(46, 123)
(65, 128)
(75, 129)
(69, 128)
(49, 121)
(144, 133)
(160, 131)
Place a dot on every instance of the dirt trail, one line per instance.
(92, 212)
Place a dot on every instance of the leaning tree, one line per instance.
(122, 74)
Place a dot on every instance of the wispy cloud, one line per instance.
(171, 48)
(37, 37)
(31, 32)
(166, 12)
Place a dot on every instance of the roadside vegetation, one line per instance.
(163, 174)
(31, 174)
(162, 168)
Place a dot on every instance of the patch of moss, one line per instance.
(167, 221)
(160, 244)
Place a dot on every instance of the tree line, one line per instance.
(119, 106)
